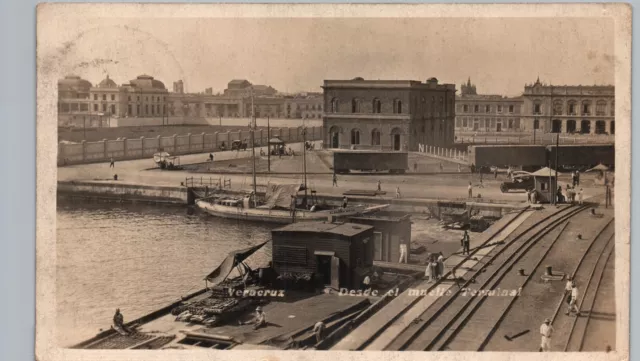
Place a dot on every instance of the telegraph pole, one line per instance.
(268, 146)
(557, 151)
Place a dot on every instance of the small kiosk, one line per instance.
(545, 185)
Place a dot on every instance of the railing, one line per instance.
(450, 153)
(220, 182)
(543, 139)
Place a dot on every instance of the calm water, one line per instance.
(137, 258)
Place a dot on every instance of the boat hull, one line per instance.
(277, 215)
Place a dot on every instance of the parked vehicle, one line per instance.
(518, 182)
(238, 145)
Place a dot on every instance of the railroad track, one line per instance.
(444, 322)
(601, 248)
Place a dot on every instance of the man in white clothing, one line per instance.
(546, 331)
(580, 195)
(403, 252)
(573, 302)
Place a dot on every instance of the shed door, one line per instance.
(335, 272)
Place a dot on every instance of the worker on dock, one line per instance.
(211, 157)
(397, 192)
(573, 300)
(470, 189)
(259, 320)
(440, 263)
(465, 242)
(112, 164)
(546, 331)
(318, 329)
(345, 200)
(428, 272)
(335, 180)
(379, 186)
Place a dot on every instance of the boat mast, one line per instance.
(304, 161)
(253, 151)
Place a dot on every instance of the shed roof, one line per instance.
(545, 172)
(344, 229)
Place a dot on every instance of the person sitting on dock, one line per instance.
(118, 322)
(259, 320)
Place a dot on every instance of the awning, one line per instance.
(324, 253)
(233, 259)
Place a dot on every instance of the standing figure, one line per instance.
(440, 265)
(495, 173)
(379, 186)
(465, 243)
(403, 252)
(398, 192)
(441, 167)
(546, 331)
(211, 157)
(459, 169)
(577, 178)
(580, 195)
(428, 275)
(415, 167)
(470, 190)
(335, 180)
(434, 269)
(318, 329)
(344, 202)
(112, 164)
(573, 300)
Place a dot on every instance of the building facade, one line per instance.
(304, 106)
(486, 113)
(388, 114)
(143, 97)
(569, 108)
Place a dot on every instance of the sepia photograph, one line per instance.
(333, 177)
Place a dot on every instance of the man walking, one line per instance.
(403, 252)
(335, 180)
(470, 190)
(546, 331)
(573, 300)
(379, 186)
(465, 243)
(112, 164)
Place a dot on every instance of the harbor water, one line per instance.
(136, 257)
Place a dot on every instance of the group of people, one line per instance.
(546, 329)
(435, 267)
(571, 194)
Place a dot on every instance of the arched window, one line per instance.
(397, 106)
(375, 137)
(571, 107)
(557, 107)
(355, 136)
(537, 108)
(571, 126)
(556, 126)
(586, 107)
(335, 104)
(377, 106)
(355, 105)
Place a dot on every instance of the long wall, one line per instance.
(137, 148)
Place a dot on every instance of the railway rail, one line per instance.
(447, 325)
(441, 322)
(599, 254)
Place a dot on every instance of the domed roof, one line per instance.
(107, 83)
(73, 82)
(147, 81)
(432, 80)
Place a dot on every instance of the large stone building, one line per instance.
(569, 108)
(143, 96)
(486, 113)
(388, 114)
(304, 106)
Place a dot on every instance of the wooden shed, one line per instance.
(335, 254)
(390, 230)
(545, 185)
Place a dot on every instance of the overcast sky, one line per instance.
(500, 55)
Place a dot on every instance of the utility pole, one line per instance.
(304, 161)
(268, 146)
(253, 151)
(557, 151)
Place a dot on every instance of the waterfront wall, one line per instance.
(97, 121)
(137, 148)
(114, 190)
